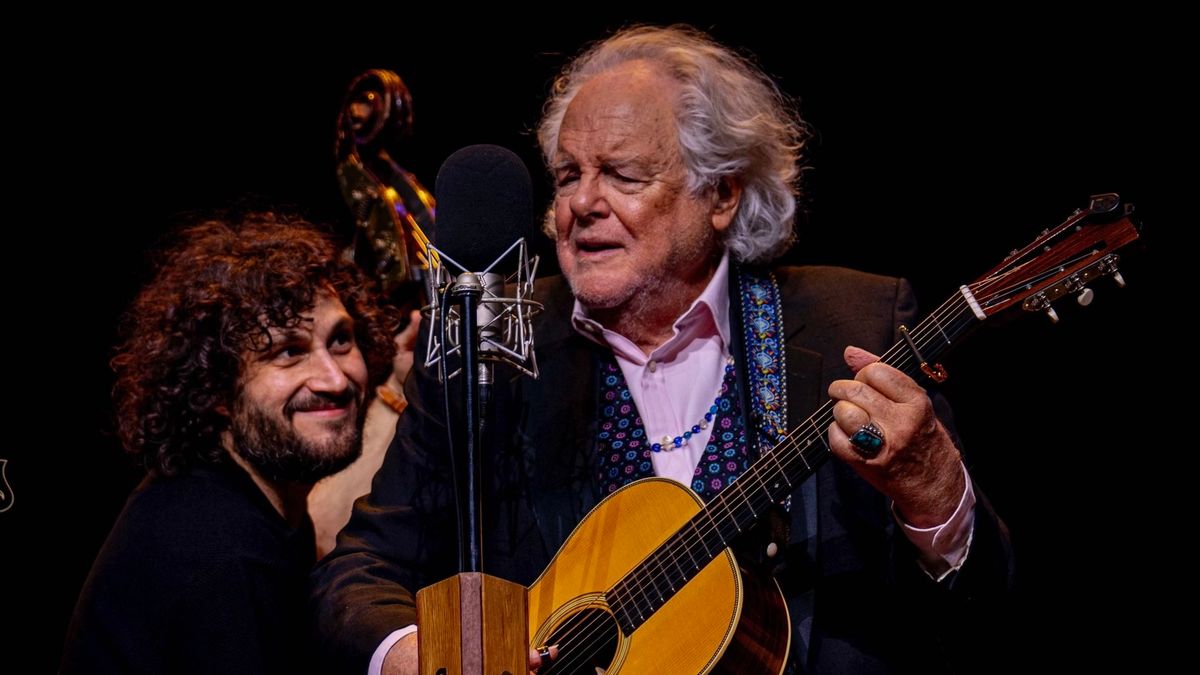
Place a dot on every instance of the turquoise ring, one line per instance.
(868, 440)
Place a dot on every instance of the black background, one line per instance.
(937, 151)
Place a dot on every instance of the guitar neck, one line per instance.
(772, 477)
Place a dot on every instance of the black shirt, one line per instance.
(199, 574)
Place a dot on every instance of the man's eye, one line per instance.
(342, 341)
(618, 174)
(290, 352)
(567, 178)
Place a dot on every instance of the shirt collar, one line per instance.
(708, 313)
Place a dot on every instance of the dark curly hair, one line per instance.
(218, 290)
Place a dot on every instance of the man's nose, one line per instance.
(327, 374)
(589, 201)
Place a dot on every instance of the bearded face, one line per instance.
(281, 451)
(300, 407)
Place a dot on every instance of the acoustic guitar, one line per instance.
(652, 557)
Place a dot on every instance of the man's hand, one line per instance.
(918, 465)
(401, 659)
(402, 363)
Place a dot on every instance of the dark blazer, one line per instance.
(858, 600)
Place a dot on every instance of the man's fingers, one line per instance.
(891, 383)
(858, 358)
(860, 394)
(407, 338)
(545, 656)
(887, 380)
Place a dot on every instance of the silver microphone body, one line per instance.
(504, 313)
(489, 316)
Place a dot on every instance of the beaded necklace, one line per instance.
(669, 443)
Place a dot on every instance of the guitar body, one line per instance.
(720, 621)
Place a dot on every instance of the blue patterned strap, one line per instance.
(762, 319)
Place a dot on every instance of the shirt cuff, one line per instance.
(943, 549)
(376, 665)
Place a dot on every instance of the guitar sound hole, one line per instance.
(586, 643)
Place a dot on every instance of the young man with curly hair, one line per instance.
(242, 379)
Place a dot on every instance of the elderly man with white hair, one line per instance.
(673, 347)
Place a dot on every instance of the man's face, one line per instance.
(628, 229)
(299, 411)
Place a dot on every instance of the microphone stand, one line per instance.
(466, 293)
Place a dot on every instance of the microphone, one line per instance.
(485, 213)
(484, 204)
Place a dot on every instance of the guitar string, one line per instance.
(641, 577)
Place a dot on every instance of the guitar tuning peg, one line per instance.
(1119, 279)
(1085, 297)
(1052, 314)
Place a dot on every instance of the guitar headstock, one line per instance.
(1061, 261)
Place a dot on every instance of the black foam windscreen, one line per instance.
(484, 204)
